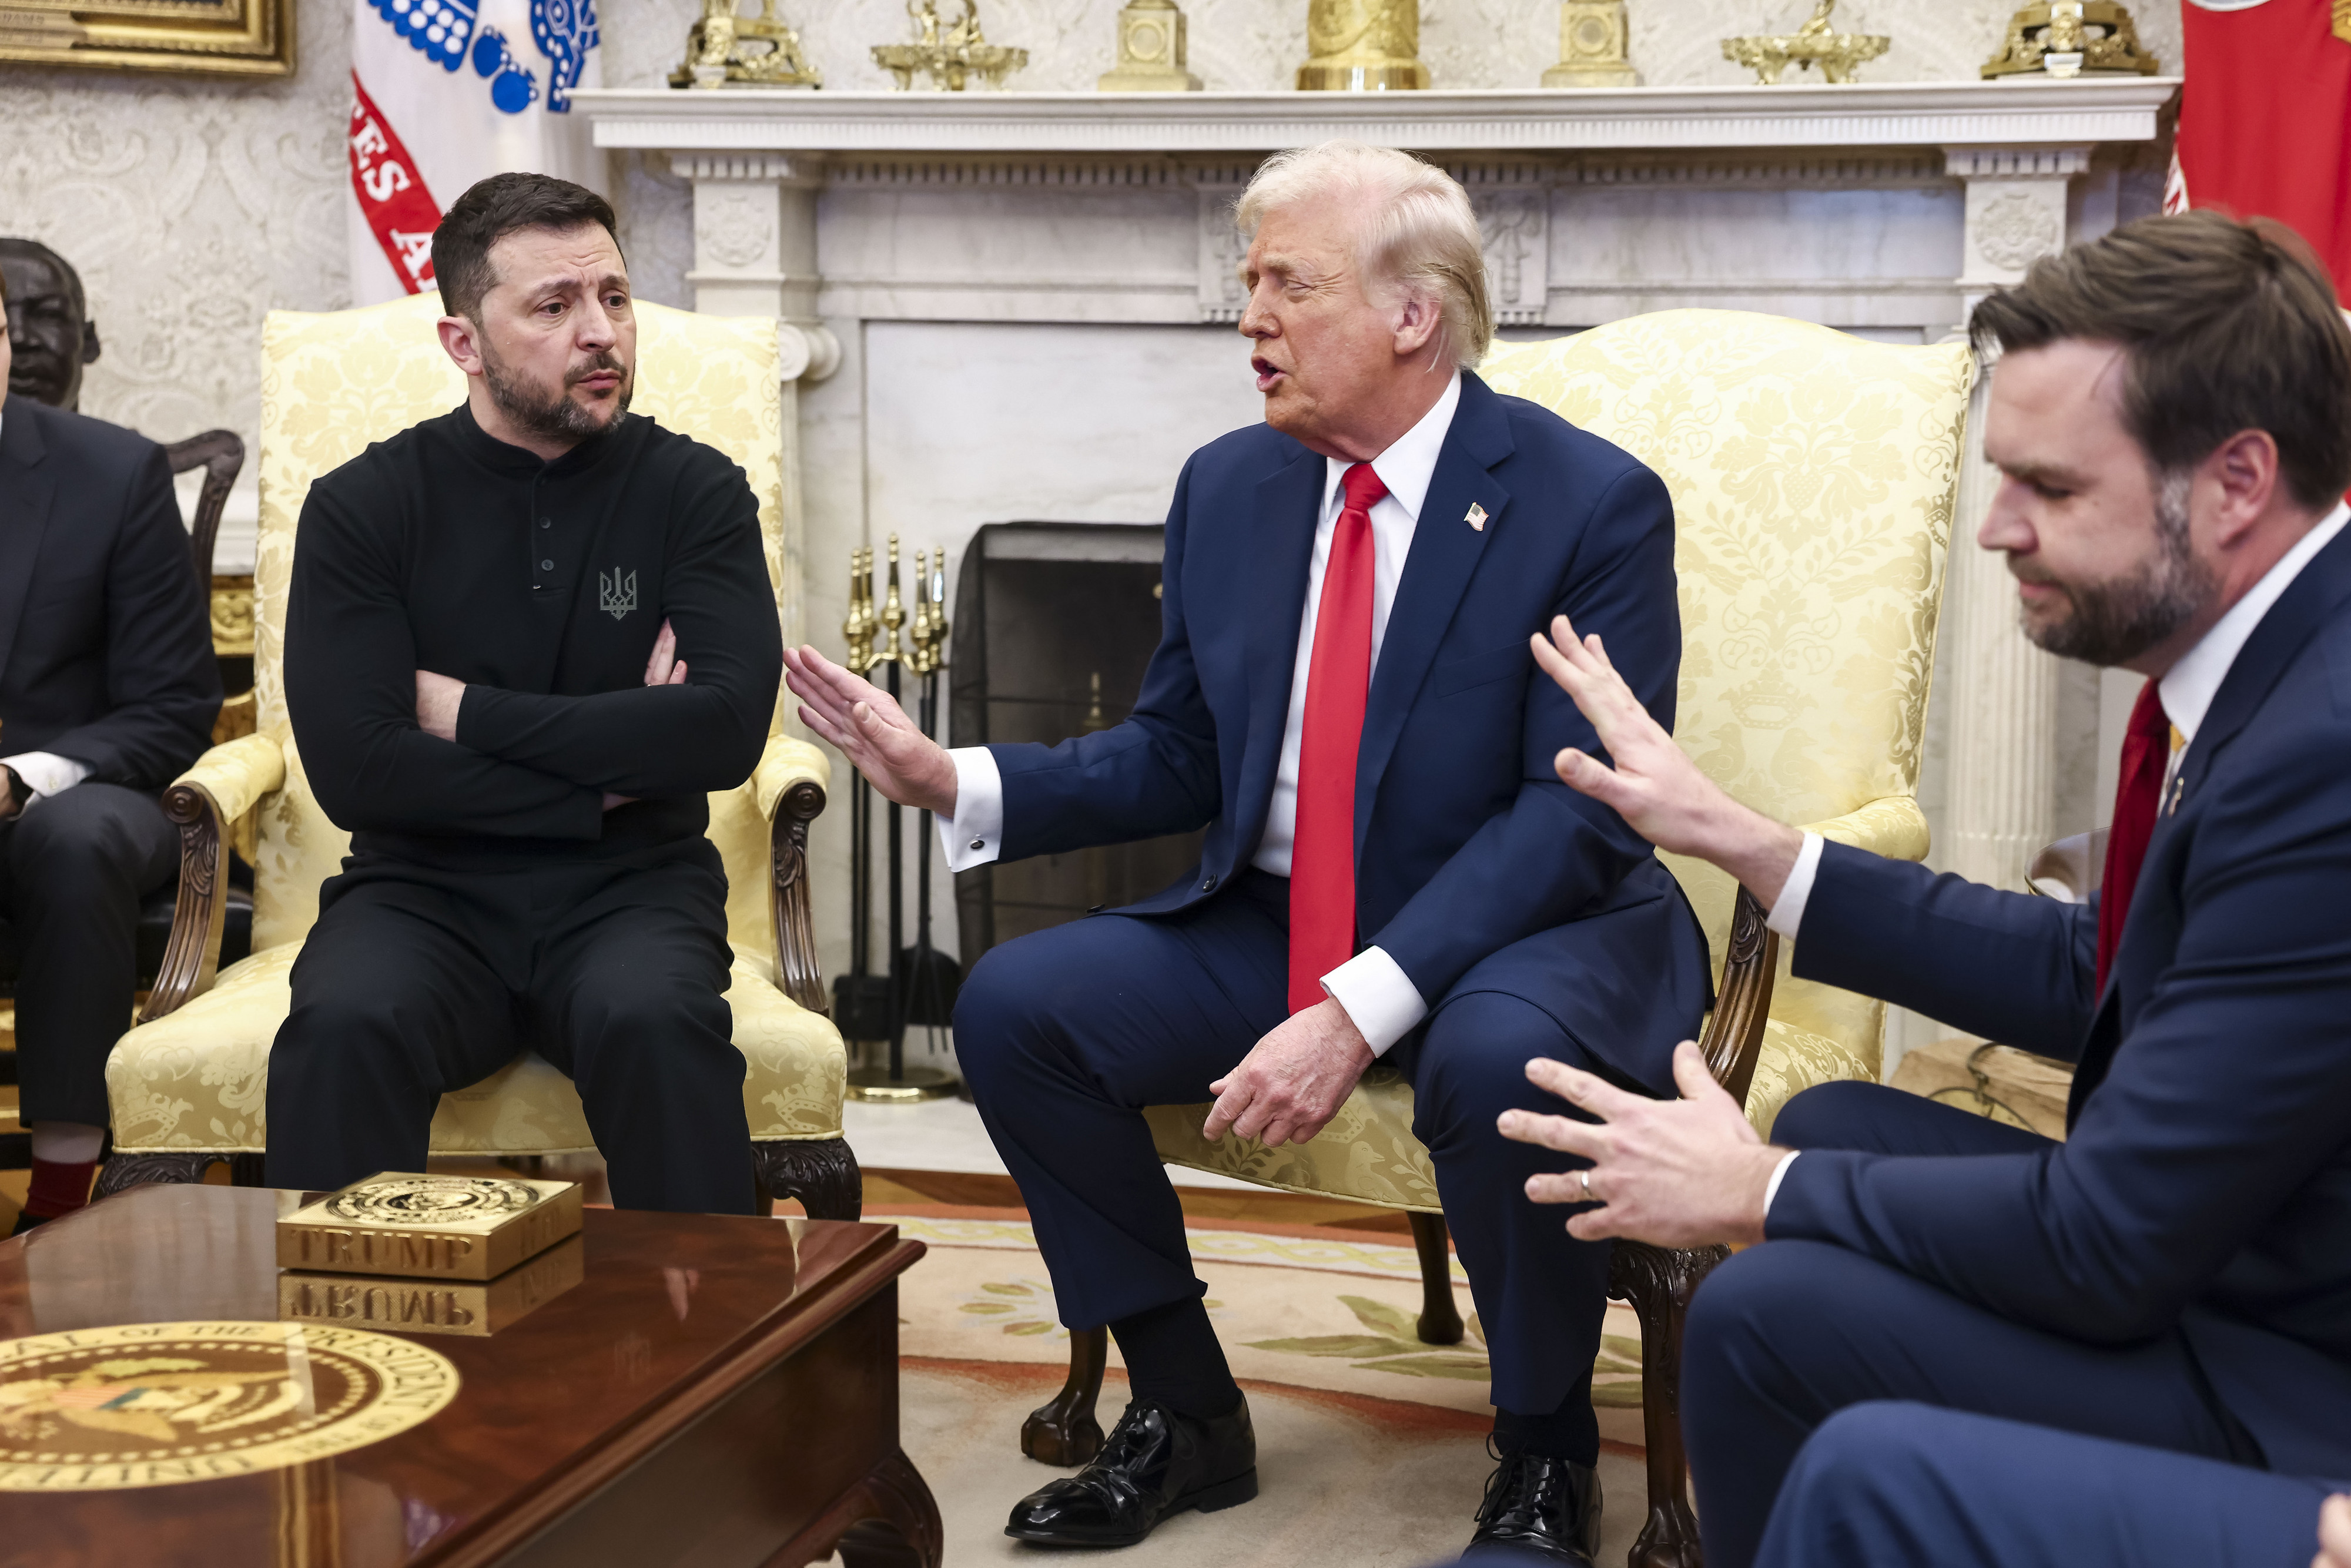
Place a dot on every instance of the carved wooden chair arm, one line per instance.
(1742, 1002)
(221, 453)
(791, 782)
(225, 783)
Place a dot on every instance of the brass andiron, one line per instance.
(950, 56)
(2074, 38)
(1591, 46)
(1150, 51)
(1837, 53)
(1362, 46)
(725, 49)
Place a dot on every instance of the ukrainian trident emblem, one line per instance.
(616, 595)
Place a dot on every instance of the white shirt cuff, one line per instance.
(1772, 1188)
(1381, 1003)
(974, 835)
(46, 773)
(1788, 909)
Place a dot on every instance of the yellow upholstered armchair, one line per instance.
(1813, 476)
(187, 1086)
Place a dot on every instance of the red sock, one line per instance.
(59, 1187)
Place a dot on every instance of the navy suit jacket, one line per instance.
(106, 649)
(2206, 1179)
(1475, 865)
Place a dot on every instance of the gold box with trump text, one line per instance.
(420, 1227)
(432, 1306)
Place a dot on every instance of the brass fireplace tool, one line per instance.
(920, 987)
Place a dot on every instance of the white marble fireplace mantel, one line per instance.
(1926, 114)
(1019, 305)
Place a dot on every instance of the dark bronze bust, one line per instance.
(48, 323)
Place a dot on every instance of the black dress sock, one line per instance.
(1566, 1433)
(1173, 1357)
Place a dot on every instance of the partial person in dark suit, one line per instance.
(1898, 1485)
(2171, 416)
(1342, 697)
(107, 689)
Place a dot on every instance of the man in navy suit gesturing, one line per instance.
(2171, 416)
(1342, 696)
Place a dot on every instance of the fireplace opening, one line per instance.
(1054, 624)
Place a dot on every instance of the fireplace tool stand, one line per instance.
(921, 982)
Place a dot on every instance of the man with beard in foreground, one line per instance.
(2172, 418)
(487, 665)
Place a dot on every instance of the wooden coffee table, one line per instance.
(715, 1391)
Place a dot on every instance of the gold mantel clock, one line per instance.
(192, 38)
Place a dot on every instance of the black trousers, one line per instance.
(1066, 1034)
(1783, 1335)
(73, 870)
(417, 981)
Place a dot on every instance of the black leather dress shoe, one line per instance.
(1539, 1510)
(1155, 1463)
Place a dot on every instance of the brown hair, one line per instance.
(2224, 328)
(494, 208)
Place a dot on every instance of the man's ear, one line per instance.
(90, 342)
(2245, 469)
(461, 340)
(1419, 319)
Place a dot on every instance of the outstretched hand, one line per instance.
(866, 725)
(1654, 785)
(1675, 1172)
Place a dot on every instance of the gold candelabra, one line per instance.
(1837, 53)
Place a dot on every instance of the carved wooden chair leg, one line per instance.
(1440, 1320)
(1658, 1282)
(1064, 1431)
(823, 1173)
(122, 1172)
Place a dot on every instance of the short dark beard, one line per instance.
(553, 416)
(2117, 621)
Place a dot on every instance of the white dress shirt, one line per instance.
(45, 773)
(1380, 1001)
(2187, 689)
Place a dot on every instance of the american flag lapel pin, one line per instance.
(1477, 518)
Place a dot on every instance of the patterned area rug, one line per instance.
(1372, 1444)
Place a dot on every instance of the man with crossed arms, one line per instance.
(2171, 416)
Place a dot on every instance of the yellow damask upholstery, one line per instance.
(1813, 476)
(195, 1079)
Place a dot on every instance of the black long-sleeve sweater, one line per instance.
(542, 586)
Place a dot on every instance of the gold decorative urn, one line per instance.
(1592, 50)
(1362, 46)
(2075, 38)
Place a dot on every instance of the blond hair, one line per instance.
(1422, 236)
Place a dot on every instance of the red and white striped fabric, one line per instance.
(446, 92)
(2265, 119)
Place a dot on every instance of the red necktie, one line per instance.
(1338, 681)
(2146, 752)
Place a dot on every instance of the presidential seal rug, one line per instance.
(1371, 1444)
(146, 1405)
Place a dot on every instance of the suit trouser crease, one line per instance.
(1067, 1034)
(74, 868)
(1783, 1335)
(418, 982)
